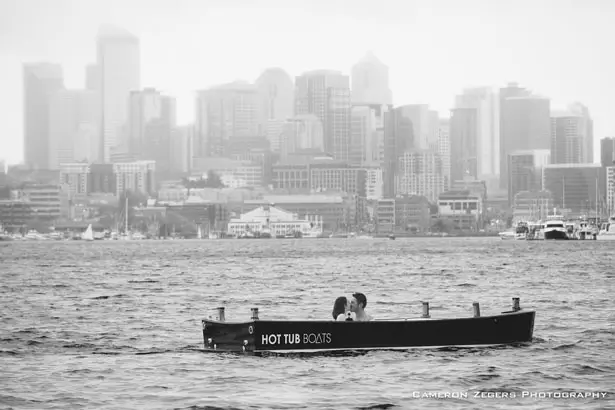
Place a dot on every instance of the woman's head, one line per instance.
(340, 306)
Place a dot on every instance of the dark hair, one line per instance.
(339, 306)
(360, 299)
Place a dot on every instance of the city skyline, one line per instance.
(435, 83)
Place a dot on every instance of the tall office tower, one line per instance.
(326, 94)
(118, 62)
(444, 150)
(223, 112)
(301, 133)
(367, 134)
(74, 127)
(526, 169)
(464, 143)
(425, 128)
(398, 139)
(152, 117)
(420, 173)
(485, 102)
(182, 148)
(277, 92)
(92, 77)
(370, 82)
(525, 124)
(572, 137)
(41, 81)
(607, 151)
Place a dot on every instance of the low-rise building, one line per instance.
(338, 211)
(462, 208)
(385, 215)
(275, 221)
(412, 213)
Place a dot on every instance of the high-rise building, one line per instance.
(367, 135)
(420, 173)
(277, 93)
(182, 148)
(326, 94)
(137, 176)
(370, 82)
(74, 126)
(610, 190)
(572, 137)
(152, 117)
(301, 133)
(607, 151)
(578, 189)
(41, 81)
(464, 143)
(444, 150)
(525, 124)
(118, 62)
(92, 77)
(487, 129)
(398, 139)
(525, 171)
(424, 124)
(225, 111)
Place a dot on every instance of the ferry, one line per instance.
(296, 336)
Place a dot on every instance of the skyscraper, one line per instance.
(367, 134)
(277, 92)
(41, 81)
(152, 117)
(487, 128)
(118, 62)
(326, 94)
(607, 151)
(223, 112)
(73, 127)
(464, 143)
(572, 137)
(398, 139)
(525, 124)
(370, 81)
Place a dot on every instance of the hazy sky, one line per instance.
(562, 49)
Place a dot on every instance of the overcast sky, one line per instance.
(562, 49)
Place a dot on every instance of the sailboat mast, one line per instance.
(126, 216)
(596, 197)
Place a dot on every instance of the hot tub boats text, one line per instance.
(287, 336)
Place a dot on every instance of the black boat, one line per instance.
(290, 336)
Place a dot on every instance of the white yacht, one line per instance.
(555, 228)
(508, 234)
(607, 230)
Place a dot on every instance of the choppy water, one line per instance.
(117, 325)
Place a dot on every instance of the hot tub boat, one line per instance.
(292, 336)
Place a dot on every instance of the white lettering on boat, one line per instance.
(296, 338)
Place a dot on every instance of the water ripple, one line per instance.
(117, 325)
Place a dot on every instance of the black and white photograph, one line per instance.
(307, 204)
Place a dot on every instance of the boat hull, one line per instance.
(560, 235)
(608, 237)
(309, 336)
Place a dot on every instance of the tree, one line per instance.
(213, 180)
(442, 225)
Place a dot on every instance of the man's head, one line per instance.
(358, 302)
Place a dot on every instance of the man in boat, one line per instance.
(357, 305)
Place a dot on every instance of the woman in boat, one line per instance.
(340, 309)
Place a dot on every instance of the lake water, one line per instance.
(114, 325)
